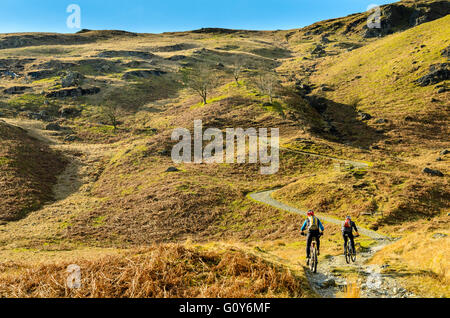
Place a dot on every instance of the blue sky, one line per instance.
(155, 16)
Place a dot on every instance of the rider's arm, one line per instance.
(321, 226)
(304, 225)
(354, 226)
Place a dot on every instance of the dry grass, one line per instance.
(163, 272)
(352, 290)
(421, 258)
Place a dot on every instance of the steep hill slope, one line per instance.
(28, 172)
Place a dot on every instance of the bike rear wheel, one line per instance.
(348, 253)
(353, 255)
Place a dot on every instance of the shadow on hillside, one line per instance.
(344, 124)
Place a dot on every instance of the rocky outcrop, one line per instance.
(399, 17)
(174, 48)
(68, 111)
(437, 73)
(72, 92)
(72, 79)
(36, 75)
(139, 54)
(15, 90)
(99, 65)
(318, 50)
(142, 74)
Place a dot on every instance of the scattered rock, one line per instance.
(318, 50)
(439, 235)
(172, 169)
(43, 115)
(381, 121)
(365, 116)
(70, 138)
(327, 283)
(53, 126)
(446, 52)
(68, 111)
(444, 152)
(433, 172)
(6, 73)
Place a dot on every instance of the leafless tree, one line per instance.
(111, 112)
(267, 82)
(237, 68)
(202, 80)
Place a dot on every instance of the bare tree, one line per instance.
(202, 80)
(237, 68)
(267, 82)
(111, 112)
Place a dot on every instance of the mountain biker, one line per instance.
(347, 231)
(315, 230)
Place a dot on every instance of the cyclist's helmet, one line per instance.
(310, 213)
(348, 218)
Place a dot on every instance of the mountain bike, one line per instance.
(314, 254)
(350, 253)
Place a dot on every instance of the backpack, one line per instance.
(313, 223)
(347, 223)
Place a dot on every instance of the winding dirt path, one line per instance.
(330, 278)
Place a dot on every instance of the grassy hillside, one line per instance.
(29, 170)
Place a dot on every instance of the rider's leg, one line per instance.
(309, 238)
(352, 241)
(345, 241)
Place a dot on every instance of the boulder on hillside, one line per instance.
(72, 79)
(172, 169)
(364, 116)
(53, 126)
(68, 111)
(433, 172)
